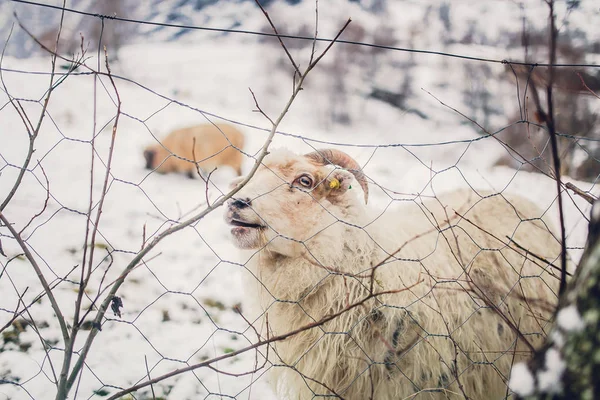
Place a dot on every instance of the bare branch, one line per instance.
(316, 61)
(297, 70)
(588, 197)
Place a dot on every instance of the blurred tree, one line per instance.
(105, 31)
(568, 367)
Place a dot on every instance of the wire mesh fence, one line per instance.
(371, 267)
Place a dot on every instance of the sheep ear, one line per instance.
(336, 184)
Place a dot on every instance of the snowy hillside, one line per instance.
(178, 305)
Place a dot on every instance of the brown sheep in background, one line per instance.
(215, 145)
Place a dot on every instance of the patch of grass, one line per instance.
(101, 392)
(214, 304)
(24, 347)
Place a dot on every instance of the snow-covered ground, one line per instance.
(178, 304)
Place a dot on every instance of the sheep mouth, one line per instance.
(244, 224)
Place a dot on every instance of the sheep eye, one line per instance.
(305, 181)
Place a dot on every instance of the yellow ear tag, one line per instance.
(334, 184)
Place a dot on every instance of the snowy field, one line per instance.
(178, 305)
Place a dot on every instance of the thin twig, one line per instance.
(143, 236)
(45, 201)
(196, 163)
(587, 87)
(297, 70)
(314, 43)
(554, 147)
(542, 259)
(258, 106)
(588, 197)
(148, 374)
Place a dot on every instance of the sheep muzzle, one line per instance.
(245, 231)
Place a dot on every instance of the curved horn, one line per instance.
(338, 157)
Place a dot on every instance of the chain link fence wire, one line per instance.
(118, 281)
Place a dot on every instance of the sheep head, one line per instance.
(293, 198)
(157, 156)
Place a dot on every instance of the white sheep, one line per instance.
(457, 283)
